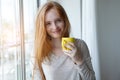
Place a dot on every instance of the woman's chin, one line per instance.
(56, 37)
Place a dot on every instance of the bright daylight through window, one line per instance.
(16, 38)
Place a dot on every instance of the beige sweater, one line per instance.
(63, 68)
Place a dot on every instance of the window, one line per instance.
(16, 38)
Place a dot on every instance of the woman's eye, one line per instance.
(47, 24)
(58, 21)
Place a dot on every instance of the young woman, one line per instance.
(51, 62)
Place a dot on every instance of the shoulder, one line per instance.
(81, 43)
(82, 46)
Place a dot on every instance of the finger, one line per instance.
(67, 52)
(69, 46)
(72, 44)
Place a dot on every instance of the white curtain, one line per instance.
(89, 32)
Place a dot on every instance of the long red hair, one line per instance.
(42, 44)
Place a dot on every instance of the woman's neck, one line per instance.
(57, 47)
(56, 43)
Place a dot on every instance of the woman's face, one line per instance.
(54, 24)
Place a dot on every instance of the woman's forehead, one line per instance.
(52, 14)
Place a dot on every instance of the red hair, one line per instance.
(42, 42)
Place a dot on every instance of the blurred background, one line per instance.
(95, 21)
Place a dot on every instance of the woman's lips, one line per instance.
(57, 31)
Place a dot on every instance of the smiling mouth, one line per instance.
(57, 31)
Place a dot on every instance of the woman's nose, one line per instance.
(54, 26)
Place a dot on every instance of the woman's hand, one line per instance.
(73, 53)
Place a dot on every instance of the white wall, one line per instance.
(108, 27)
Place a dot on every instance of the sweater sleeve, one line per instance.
(85, 69)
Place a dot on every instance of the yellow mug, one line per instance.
(65, 40)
